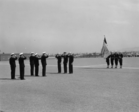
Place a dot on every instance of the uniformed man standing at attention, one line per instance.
(112, 59)
(58, 56)
(22, 65)
(65, 61)
(44, 63)
(71, 59)
(120, 59)
(108, 61)
(12, 62)
(116, 57)
(32, 63)
(37, 58)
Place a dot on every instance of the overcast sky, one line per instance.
(68, 25)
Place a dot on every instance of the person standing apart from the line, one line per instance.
(44, 63)
(32, 63)
(37, 58)
(65, 61)
(116, 57)
(71, 59)
(12, 62)
(58, 57)
(120, 59)
(22, 65)
(112, 59)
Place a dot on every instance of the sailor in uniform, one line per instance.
(12, 62)
(22, 65)
(37, 58)
(44, 63)
(59, 58)
(71, 59)
(32, 63)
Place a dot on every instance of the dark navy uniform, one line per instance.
(32, 64)
(71, 59)
(36, 65)
(112, 60)
(59, 62)
(22, 66)
(116, 57)
(65, 61)
(108, 61)
(44, 63)
(13, 66)
(120, 59)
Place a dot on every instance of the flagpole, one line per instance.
(104, 39)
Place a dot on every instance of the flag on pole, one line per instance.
(105, 51)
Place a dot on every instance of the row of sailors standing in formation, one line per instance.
(34, 63)
(115, 58)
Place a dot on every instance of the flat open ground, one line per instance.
(92, 88)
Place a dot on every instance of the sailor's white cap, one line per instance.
(21, 54)
(36, 54)
(32, 52)
(12, 54)
(44, 53)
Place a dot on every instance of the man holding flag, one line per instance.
(105, 52)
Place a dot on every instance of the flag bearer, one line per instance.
(108, 61)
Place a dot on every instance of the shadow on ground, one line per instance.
(8, 79)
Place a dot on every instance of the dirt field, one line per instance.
(92, 88)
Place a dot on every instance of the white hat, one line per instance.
(44, 53)
(12, 54)
(20, 53)
(36, 54)
(32, 52)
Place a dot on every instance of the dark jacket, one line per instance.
(71, 59)
(36, 61)
(21, 61)
(116, 56)
(43, 60)
(32, 60)
(59, 58)
(112, 56)
(65, 57)
(12, 61)
(107, 59)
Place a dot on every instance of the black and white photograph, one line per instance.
(69, 55)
